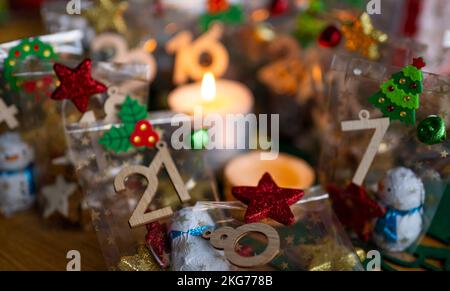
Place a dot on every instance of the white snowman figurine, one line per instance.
(402, 194)
(17, 191)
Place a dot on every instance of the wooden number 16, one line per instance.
(188, 53)
(380, 125)
(140, 216)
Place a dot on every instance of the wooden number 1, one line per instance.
(380, 125)
(140, 216)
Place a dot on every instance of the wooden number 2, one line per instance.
(140, 216)
(188, 52)
(380, 125)
(122, 54)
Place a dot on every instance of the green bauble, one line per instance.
(431, 130)
(199, 139)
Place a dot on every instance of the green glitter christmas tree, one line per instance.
(398, 98)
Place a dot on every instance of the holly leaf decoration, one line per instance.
(116, 139)
(131, 112)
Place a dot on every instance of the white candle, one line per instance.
(221, 97)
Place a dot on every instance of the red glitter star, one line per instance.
(77, 84)
(157, 242)
(418, 63)
(355, 209)
(268, 200)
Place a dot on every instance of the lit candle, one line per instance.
(286, 170)
(221, 96)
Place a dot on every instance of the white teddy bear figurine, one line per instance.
(16, 174)
(402, 193)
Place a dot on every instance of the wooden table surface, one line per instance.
(28, 242)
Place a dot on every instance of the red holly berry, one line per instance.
(216, 6)
(143, 135)
(330, 37)
(391, 88)
(390, 108)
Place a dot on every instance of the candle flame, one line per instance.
(208, 87)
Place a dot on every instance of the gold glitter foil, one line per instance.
(142, 261)
(107, 15)
(361, 254)
(327, 255)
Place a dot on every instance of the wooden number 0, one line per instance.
(380, 125)
(188, 52)
(226, 238)
(139, 216)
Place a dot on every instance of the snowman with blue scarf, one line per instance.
(402, 194)
(17, 190)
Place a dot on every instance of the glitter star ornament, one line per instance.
(355, 209)
(158, 243)
(57, 197)
(108, 15)
(77, 84)
(267, 200)
(363, 38)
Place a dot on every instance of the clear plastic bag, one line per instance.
(315, 241)
(353, 82)
(111, 211)
(27, 83)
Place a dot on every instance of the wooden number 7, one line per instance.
(380, 125)
(139, 216)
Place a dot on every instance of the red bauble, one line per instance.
(143, 135)
(77, 84)
(355, 209)
(330, 37)
(267, 200)
(278, 7)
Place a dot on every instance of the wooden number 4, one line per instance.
(140, 216)
(380, 125)
(7, 114)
